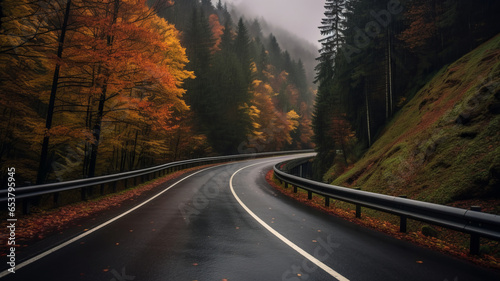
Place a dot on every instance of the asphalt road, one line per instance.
(227, 223)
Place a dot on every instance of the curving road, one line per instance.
(227, 223)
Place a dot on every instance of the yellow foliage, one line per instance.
(256, 83)
(253, 68)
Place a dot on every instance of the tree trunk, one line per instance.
(391, 98)
(177, 144)
(97, 132)
(43, 167)
(133, 153)
(102, 100)
(368, 116)
(387, 82)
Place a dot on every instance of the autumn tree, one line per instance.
(32, 38)
(43, 166)
(217, 31)
(147, 82)
(342, 134)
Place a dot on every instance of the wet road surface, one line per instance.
(227, 223)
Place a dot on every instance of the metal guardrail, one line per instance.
(473, 222)
(144, 175)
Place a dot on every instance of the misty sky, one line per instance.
(301, 17)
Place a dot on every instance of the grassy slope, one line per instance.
(444, 145)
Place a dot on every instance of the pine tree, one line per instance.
(199, 40)
(242, 50)
(332, 27)
(229, 122)
(275, 53)
(219, 5)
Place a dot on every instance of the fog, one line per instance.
(293, 22)
(299, 17)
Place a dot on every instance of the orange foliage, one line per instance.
(422, 24)
(217, 31)
(128, 57)
(274, 126)
(305, 127)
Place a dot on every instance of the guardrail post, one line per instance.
(102, 189)
(358, 211)
(402, 220)
(475, 238)
(26, 206)
(286, 185)
(114, 187)
(358, 207)
(56, 199)
(327, 201)
(294, 189)
(309, 195)
(83, 191)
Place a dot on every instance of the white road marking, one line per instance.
(281, 237)
(58, 247)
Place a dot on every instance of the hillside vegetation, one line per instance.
(443, 146)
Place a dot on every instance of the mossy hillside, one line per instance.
(443, 145)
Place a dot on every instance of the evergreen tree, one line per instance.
(229, 121)
(256, 30)
(275, 53)
(332, 26)
(219, 5)
(242, 50)
(198, 41)
(207, 3)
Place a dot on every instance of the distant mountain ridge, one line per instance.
(297, 47)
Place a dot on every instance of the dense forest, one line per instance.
(98, 87)
(376, 55)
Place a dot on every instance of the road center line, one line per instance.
(281, 237)
(60, 246)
